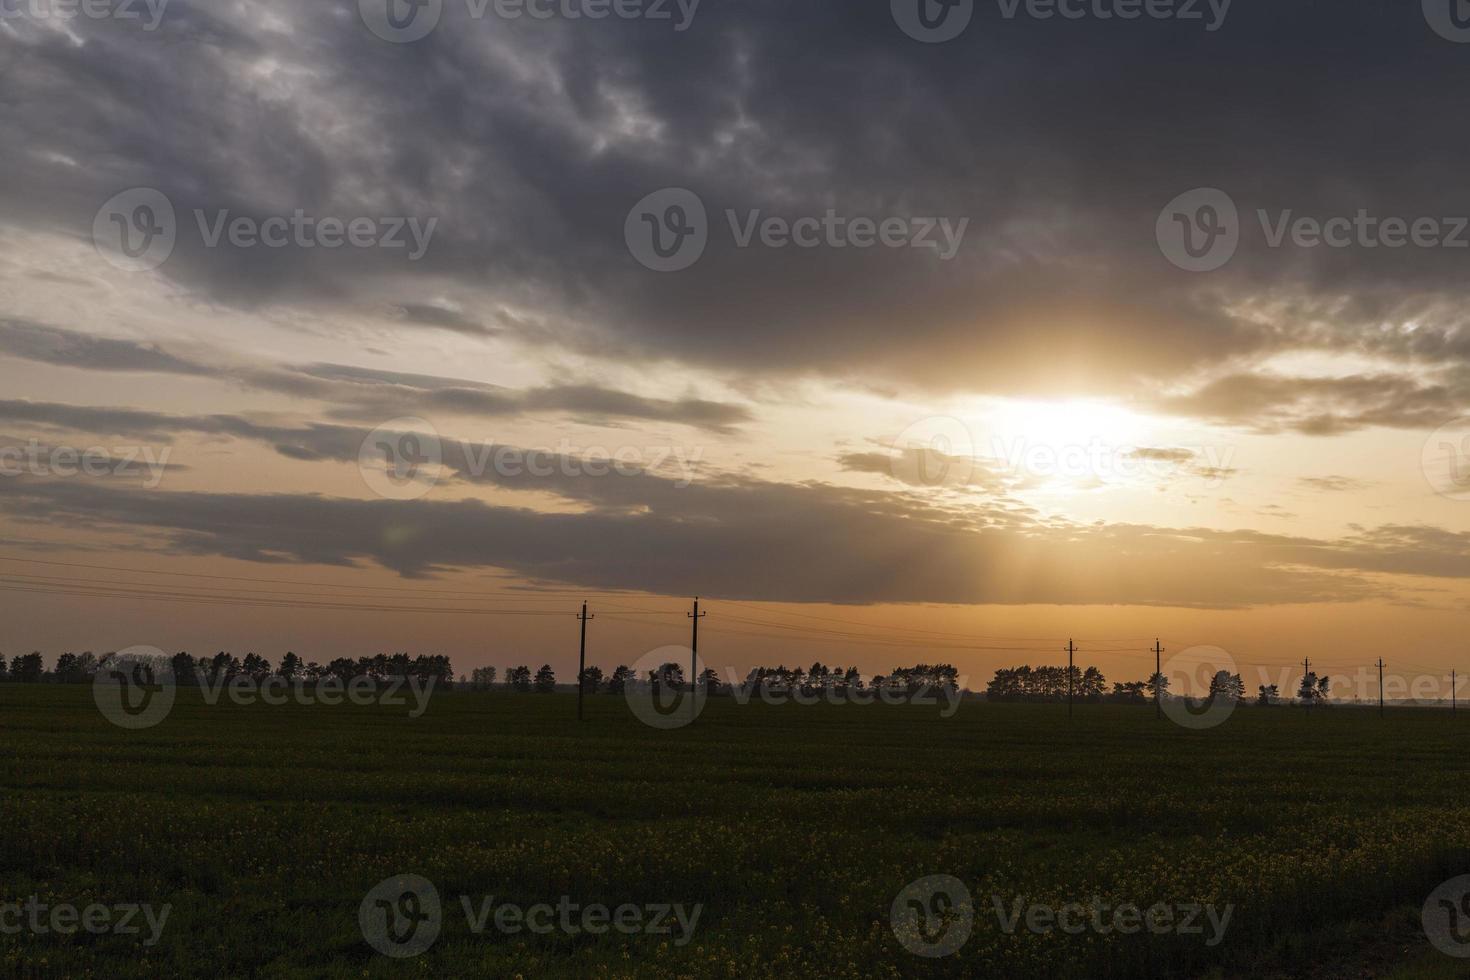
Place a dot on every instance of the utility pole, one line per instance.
(1071, 650)
(695, 616)
(582, 659)
(1158, 679)
(1380, 687)
(1307, 673)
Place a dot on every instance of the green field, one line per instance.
(793, 827)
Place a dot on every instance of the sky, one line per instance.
(898, 331)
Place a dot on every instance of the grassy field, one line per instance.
(794, 828)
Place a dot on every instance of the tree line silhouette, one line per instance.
(81, 668)
(1025, 683)
(817, 679)
(1047, 683)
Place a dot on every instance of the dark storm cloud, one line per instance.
(438, 316)
(810, 543)
(1269, 403)
(68, 348)
(358, 394)
(653, 528)
(1059, 140)
(646, 529)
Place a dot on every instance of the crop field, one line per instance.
(780, 835)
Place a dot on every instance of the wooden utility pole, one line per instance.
(1380, 687)
(1306, 674)
(1158, 679)
(1071, 651)
(582, 659)
(695, 616)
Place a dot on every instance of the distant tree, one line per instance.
(672, 676)
(1157, 686)
(518, 679)
(1130, 692)
(66, 668)
(223, 666)
(709, 679)
(1324, 684)
(618, 683)
(482, 678)
(1226, 686)
(183, 667)
(545, 680)
(591, 679)
(28, 669)
(436, 667)
(1093, 684)
(3, 671)
(314, 671)
(290, 666)
(1312, 689)
(1267, 695)
(255, 667)
(342, 668)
